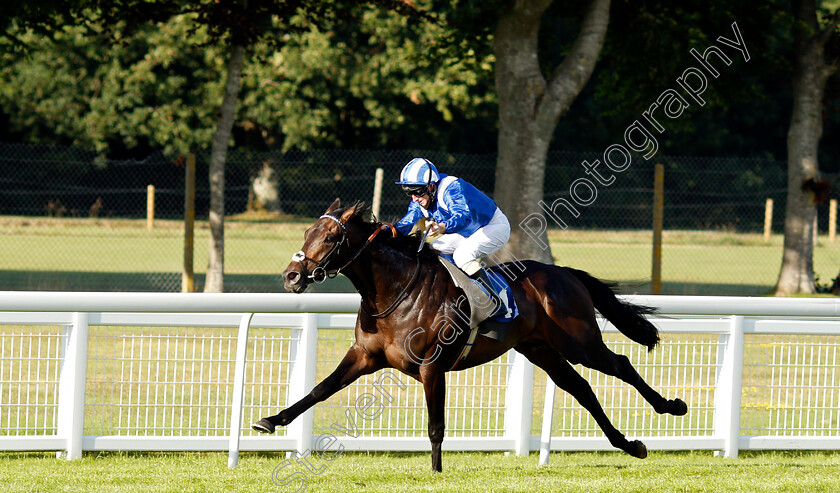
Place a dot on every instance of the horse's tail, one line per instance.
(627, 317)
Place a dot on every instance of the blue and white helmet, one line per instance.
(418, 171)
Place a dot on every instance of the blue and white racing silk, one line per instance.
(459, 206)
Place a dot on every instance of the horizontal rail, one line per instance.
(51, 301)
(60, 301)
(706, 323)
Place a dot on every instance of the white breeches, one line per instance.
(485, 241)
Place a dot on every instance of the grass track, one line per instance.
(97, 254)
(589, 472)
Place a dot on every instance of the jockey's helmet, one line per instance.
(417, 174)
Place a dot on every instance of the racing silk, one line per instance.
(459, 206)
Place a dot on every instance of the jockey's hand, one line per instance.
(437, 229)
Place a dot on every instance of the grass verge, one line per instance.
(590, 472)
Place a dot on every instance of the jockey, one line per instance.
(469, 222)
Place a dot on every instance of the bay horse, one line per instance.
(407, 295)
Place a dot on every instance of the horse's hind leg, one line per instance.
(357, 362)
(565, 377)
(618, 365)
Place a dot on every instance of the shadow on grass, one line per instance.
(12, 280)
(698, 289)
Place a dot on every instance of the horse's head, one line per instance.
(326, 249)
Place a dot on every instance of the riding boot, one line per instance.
(482, 277)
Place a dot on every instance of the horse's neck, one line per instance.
(381, 273)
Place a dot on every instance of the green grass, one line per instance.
(396, 472)
(98, 254)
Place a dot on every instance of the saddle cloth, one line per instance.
(480, 304)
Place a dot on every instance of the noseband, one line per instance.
(320, 273)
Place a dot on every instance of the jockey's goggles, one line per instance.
(418, 190)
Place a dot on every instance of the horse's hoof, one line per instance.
(637, 449)
(263, 426)
(678, 407)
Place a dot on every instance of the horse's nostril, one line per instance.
(292, 276)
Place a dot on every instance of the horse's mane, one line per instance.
(407, 244)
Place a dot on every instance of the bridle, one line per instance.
(320, 273)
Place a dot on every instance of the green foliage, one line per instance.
(159, 88)
(358, 84)
(378, 75)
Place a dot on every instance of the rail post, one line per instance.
(768, 220)
(519, 396)
(548, 418)
(658, 217)
(188, 277)
(728, 388)
(150, 207)
(71, 387)
(238, 390)
(377, 191)
(302, 380)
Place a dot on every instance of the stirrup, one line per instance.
(481, 277)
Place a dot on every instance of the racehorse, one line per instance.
(408, 321)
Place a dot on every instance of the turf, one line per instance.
(590, 472)
(122, 255)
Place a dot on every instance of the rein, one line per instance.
(407, 288)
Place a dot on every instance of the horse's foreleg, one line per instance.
(434, 385)
(356, 363)
(565, 376)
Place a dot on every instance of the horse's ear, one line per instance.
(335, 205)
(346, 215)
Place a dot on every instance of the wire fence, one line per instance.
(73, 220)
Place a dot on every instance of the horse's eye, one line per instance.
(329, 239)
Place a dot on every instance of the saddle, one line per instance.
(479, 301)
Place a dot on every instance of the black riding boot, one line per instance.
(481, 276)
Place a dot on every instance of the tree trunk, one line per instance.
(810, 75)
(215, 270)
(265, 190)
(529, 108)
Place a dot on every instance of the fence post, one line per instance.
(728, 388)
(832, 220)
(519, 397)
(188, 277)
(548, 418)
(377, 191)
(150, 207)
(302, 380)
(658, 213)
(238, 390)
(768, 220)
(71, 387)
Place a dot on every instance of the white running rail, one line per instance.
(162, 371)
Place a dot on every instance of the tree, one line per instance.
(153, 90)
(812, 69)
(530, 106)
